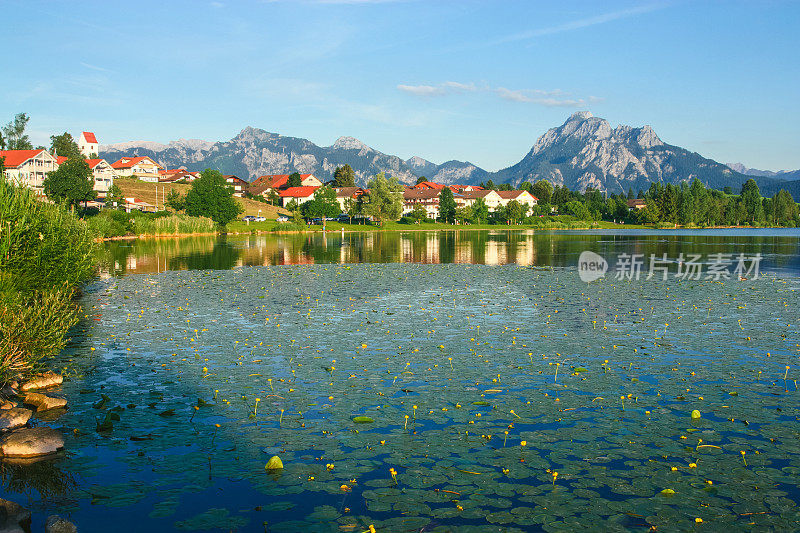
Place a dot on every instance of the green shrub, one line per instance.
(45, 253)
(119, 223)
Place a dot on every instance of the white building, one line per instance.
(28, 167)
(143, 168)
(88, 144)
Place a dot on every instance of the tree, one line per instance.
(114, 197)
(480, 212)
(72, 182)
(175, 201)
(784, 208)
(324, 204)
(65, 145)
(294, 180)
(385, 198)
(577, 209)
(447, 205)
(210, 196)
(490, 185)
(353, 206)
(751, 198)
(463, 214)
(515, 211)
(418, 213)
(344, 177)
(14, 133)
(273, 197)
(421, 179)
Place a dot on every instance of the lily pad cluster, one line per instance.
(413, 397)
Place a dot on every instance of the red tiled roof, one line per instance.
(129, 162)
(93, 162)
(298, 192)
(61, 158)
(420, 194)
(89, 136)
(428, 185)
(15, 158)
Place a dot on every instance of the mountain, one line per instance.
(583, 152)
(787, 175)
(254, 152)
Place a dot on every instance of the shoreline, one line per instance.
(410, 229)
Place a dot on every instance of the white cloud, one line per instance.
(551, 98)
(422, 90)
(582, 23)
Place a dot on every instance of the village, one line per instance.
(30, 167)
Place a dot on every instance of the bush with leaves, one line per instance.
(210, 196)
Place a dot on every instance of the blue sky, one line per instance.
(469, 80)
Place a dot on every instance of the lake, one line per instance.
(431, 381)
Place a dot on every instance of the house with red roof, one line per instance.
(523, 197)
(88, 144)
(429, 185)
(345, 193)
(28, 168)
(103, 174)
(300, 195)
(177, 175)
(143, 168)
(264, 185)
(238, 184)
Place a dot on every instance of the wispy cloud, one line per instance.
(552, 98)
(95, 67)
(422, 90)
(582, 23)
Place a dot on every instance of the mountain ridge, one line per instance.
(584, 152)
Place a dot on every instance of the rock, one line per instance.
(7, 405)
(42, 402)
(14, 518)
(31, 442)
(42, 381)
(8, 391)
(14, 418)
(56, 524)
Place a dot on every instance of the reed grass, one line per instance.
(46, 252)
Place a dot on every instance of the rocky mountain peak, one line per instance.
(580, 116)
(349, 143)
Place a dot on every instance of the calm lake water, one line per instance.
(503, 393)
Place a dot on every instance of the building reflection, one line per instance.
(524, 248)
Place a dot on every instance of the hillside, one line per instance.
(147, 192)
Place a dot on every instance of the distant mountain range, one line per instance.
(583, 152)
(787, 175)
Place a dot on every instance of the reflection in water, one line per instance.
(527, 248)
(42, 476)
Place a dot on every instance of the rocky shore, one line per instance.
(23, 439)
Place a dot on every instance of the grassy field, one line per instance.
(147, 192)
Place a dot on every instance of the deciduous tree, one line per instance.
(65, 145)
(210, 196)
(72, 182)
(385, 198)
